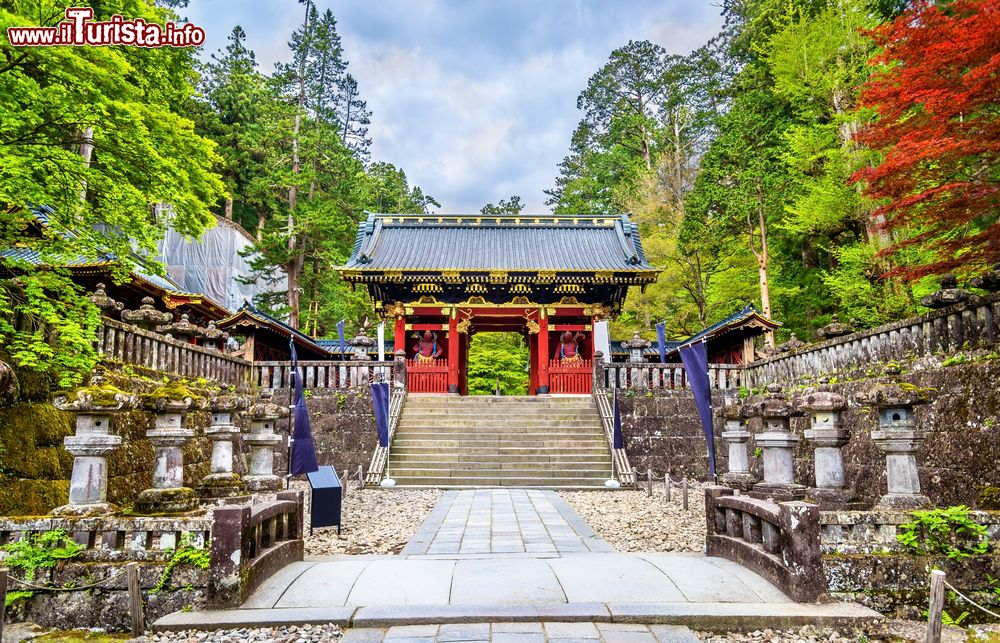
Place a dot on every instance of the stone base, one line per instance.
(166, 501)
(831, 499)
(897, 501)
(262, 483)
(86, 511)
(741, 481)
(778, 491)
(222, 485)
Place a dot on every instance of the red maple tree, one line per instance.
(936, 91)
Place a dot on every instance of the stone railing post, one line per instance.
(229, 551)
(778, 444)
(828, 435)
(899, 438)
(737, 435)
(598, 383)
(399, 370)
(222, 481)
(168, 494)
(90, 445)
(800, 549)
(360, 344)
(636, 355)
(712, 525)
(262, 439)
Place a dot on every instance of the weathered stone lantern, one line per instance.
(214, 338)
(737, 435)
(793, 344)
(360, 344)
(146, 317)
(949, 294)
(989, 281)
(636, 348)
(109, 307)
(223, 482)
(264, 416)
(899, 438)
(835, 328)
(778, 444)
(91, 444)
(828, 435)
(168, 494)
(183, 330)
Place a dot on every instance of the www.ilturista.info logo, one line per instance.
(79, 28)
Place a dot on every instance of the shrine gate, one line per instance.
(453, 276)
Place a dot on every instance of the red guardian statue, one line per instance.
(569, 347)
(427, 348)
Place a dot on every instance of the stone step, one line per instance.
(473, 422)
(504, 450)
(476, 465)
(539, 474)
(454, 456)
(430, 433)
(498, 441)
(496, 481)
(445, 402)
(507, 418)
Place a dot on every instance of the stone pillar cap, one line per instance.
(97, 398)
(228, 403)
(265, 409)
(822, 399)
(637, 341)
(774, 405)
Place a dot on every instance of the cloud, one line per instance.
(474, 99)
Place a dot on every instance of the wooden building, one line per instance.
(441, 279)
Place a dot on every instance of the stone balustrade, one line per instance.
(332, 374)
(867, 532)
(655, 376)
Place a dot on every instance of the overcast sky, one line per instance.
(474, 99)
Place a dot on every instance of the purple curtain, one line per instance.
(303, 458)
(380, 405)
(617, 423)
(695, 359)
(661, 338)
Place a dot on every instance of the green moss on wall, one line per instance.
(31, 497)
(32, 435)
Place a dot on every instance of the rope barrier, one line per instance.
(969, 600)
(78, 588)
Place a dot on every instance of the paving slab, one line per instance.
(401, 582)
(320, 585)
(571, 631)
(237, 618)
(702, 581)
(460, 632)
(502, 582)
(612, 577)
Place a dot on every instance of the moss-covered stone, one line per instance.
(32, 436)
(20, 497)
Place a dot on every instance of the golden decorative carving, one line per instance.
(498, 276)
(476, 288)
(521, 288)
(569, 301)
(546, 275)
(427, 299)
(393, 274)
(464, 325)
(603, 276)
(520, 300)
(569, 288)
(598, 311)
(451, 276)
(428, 287)
(475, 300)
(533, 327)
(395, 310)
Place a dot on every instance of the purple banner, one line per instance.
(303, 457)
(695, 359)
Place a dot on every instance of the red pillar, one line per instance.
(543, 353)
(454, 356)
(399, 336)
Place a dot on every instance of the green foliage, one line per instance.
(186, 554)
(949, 531)
(13, 597)
(505, 206)
(43, 550)
(498, 358)
(960, 358)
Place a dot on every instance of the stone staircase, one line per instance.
(510, 441)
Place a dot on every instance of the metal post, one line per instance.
(135, 599)
(649, 483)
(361, 477)
(936, 607)
(684, 494)
(343, 484)
(666, 487)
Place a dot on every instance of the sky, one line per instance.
(474, 99)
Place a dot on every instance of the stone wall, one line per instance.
(343, 428)
(957, 461)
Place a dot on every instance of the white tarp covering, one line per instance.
(212, 265)
(602, 340)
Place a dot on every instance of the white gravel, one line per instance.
(287, 634)
(375, 521)
(632, 522)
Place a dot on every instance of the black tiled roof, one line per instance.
(514, 243)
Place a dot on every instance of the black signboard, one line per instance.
(326, 498)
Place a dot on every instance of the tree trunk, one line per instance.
(295, 259)
(261, 219)
(229, 209)
(86, 151)
(765, 289)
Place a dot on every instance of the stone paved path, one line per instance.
(503, 521)
(523, 633)
(508, 555)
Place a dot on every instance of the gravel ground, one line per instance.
(632, 522)
(376, 521)
(288, 634)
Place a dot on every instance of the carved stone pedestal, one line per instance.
(168, 493)
(778, 444)
(737, 435)
(223, 482)
(828, 436)
(262, 440)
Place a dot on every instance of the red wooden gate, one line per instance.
(427, 377)
(574, 377)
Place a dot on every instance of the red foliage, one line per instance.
(937, 94)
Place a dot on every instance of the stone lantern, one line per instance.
(168, 494)
(146, 317)
(91, 445)
(737, 435)
(183, 330)
(215, 339)
(109, 307)
(264, 416)
(989, 281)
(636, 348)
(778, 444)
(361, 343)
(899, 438)
(828, 435)
(223, 482)
(949, 294)
(835, 328)
(793, 344)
